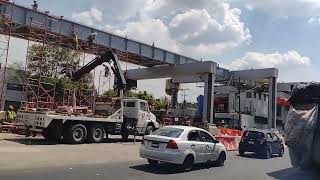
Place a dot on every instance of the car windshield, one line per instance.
(130, 104)
(253, 135)
(168, 132)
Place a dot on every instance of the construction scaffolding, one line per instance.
(81, 93)
(41, 66)
(5, 37)
(46, 83)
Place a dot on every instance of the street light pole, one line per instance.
(239, 93)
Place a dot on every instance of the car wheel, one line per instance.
(188, 163)
(281, 152)
(267, 153)
(241, 153)
(153, 162)
(221, 159)
(149, 130)
(96, 133)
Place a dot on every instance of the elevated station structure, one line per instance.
(42, 27)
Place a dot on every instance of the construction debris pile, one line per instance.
(303, 125)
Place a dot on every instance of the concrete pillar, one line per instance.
(272, 107)
(232, 101)
(208, 99)
(174, 96)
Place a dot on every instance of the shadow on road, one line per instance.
(28, 141)
(119, 140)
(166, 168)
(42, 141)
(295, 174)
(255, 156)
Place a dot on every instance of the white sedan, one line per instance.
(182, 145)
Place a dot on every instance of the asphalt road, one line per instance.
(120, 162)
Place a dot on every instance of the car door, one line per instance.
(143, 112)
(211, 154)
(197, 146)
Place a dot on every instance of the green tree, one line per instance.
(157, 103)
(51, 60)
(109, 93)
(18, 72)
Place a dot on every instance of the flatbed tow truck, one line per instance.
(133, 116)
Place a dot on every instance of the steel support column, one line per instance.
(272, 108)
(208, 114)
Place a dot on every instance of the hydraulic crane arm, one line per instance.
(108, 57)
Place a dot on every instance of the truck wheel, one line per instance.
(124, 134)
(76, 134)
(149, 130)
(46, 135)
(96, 133)
(53, 132)
(50, 135)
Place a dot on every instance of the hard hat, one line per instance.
(10, 107)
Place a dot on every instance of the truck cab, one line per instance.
(137, 111)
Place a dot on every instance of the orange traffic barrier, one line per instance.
(229, 142)
(230, 132)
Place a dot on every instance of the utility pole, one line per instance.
(99, 82)
(184, 100)
(239, 91)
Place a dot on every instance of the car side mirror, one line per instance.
(215, 141)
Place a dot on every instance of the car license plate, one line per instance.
(251, 142)
(155, 145)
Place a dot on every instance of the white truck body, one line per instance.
(135, 113)
(137, 109)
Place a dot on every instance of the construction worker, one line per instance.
(11, 114)
(35, 6)
(75, 40)
(91, 39)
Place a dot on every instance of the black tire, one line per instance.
(50, 135)
(76, 134)
(152, 162)
(124, 134)
(267, 153)
(221, 159)
(45, 134)
(53, 132)
(241, 153)
(149, 130)
(96, 133)
(188, 163)
(281, 152)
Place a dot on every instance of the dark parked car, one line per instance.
(262, 142)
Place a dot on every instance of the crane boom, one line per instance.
(107, 57)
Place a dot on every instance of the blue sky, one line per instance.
(238, 34)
